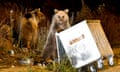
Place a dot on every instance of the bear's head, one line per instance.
(61, 19)
(40, 17)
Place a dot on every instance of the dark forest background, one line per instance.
(74, 5)
(108, 11)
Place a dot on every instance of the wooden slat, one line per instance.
(100, 37)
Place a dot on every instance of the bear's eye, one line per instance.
(62, 16)
(58, 16)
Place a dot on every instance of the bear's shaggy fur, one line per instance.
(5, 38)
(30, 28)
(60, 22)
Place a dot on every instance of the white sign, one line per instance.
(79, 45)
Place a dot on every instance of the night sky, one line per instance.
(74, 5)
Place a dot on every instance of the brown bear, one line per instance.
(30, 24)
(5, 38)
(60, 22)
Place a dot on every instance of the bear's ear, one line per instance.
(38, 9)
(55, 10)
(66, 10)
(35, 10)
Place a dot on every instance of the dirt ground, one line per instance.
(24, 69)
(111, 69)
(39, 68)
(115, 68)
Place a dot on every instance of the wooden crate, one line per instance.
(100, 38)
